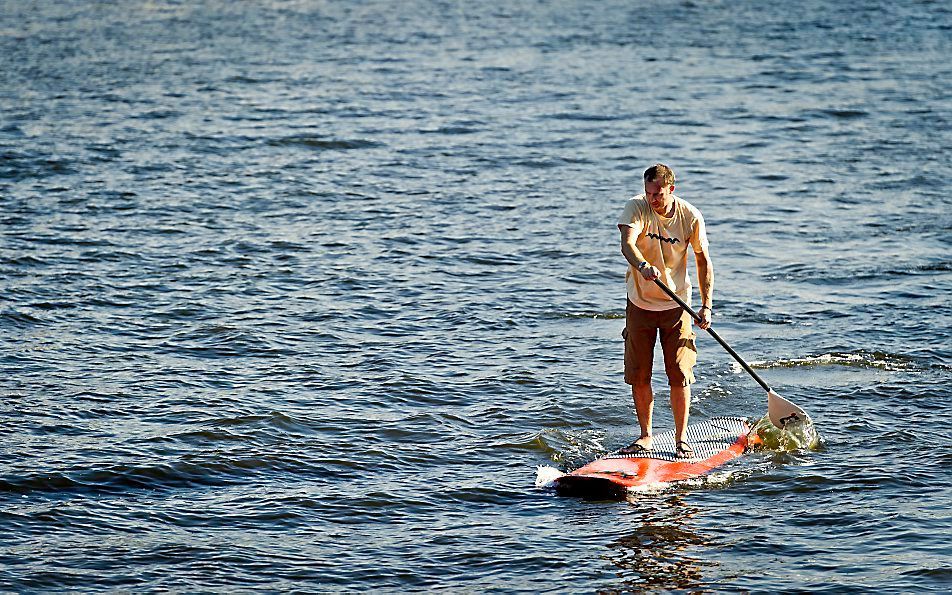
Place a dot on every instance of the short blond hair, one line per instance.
(660, 172)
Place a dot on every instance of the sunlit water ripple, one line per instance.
(297, 295)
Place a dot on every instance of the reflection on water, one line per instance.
(664, 550)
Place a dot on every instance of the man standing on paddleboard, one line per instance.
(656, 229)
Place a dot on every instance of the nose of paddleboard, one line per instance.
(782, 411)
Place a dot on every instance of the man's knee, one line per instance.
(681, 378)
(641, 387)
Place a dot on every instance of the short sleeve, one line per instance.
(631, 216)
(699, 234)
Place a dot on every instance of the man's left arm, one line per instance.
(705, 281)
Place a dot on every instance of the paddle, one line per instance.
(780, 410)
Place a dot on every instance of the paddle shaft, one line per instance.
(717, 337)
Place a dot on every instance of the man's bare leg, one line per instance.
(680, 407)
(644, 407)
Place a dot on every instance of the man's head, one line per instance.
(660, 172)
(659, 188)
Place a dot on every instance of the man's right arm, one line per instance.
(633, 255)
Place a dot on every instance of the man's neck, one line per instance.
(669, 212)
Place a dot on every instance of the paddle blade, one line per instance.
(782, 411)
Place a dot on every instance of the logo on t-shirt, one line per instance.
(668, 240)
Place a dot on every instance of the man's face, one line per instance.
(659, 196)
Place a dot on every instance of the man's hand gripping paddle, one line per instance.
(780, 410)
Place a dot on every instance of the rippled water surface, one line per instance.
(296, 295)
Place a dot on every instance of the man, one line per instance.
(656, 229)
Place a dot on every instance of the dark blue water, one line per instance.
(297, 295)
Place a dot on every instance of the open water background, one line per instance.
(297, 294)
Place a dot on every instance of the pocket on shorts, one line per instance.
(687, 352)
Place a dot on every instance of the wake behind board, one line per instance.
(715, 442)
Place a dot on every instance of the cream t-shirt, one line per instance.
(664, 243)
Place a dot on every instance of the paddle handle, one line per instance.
(717, 337)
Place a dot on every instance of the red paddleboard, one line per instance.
(715, 442)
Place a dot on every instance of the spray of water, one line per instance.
(546, 476)
(795, 435)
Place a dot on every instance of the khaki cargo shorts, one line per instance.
(677, 344)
